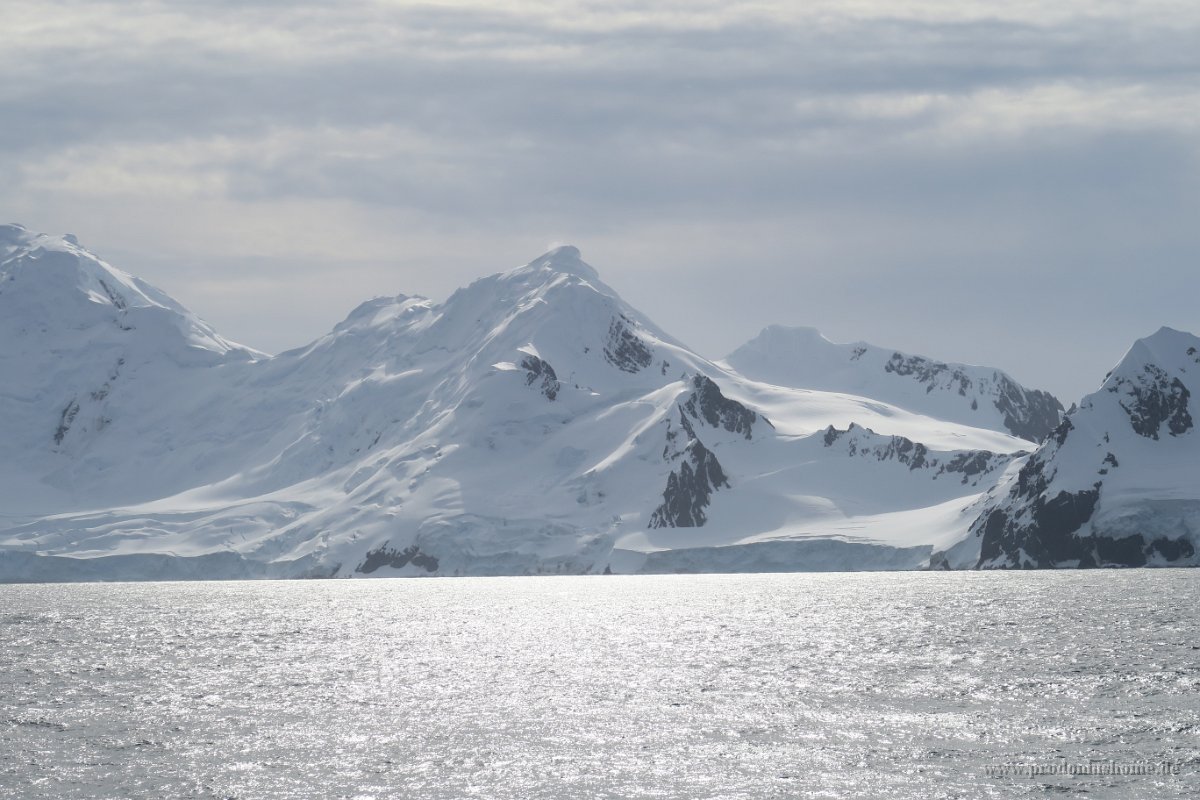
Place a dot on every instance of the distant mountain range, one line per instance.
(536, 423)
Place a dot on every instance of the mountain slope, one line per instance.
(979, 396)
(58, 281)
(1116, 483)
(532, 422)
(85, 347)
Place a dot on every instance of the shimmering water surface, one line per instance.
(829, 686)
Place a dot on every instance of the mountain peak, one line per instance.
(51, 269)
(1165, 348)
(1169, 337)
(16, 238)
(563, 251)
(52, 283)
(791, 334)
(565, 259)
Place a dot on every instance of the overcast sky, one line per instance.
(1012, 184)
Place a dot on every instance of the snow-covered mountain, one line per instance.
(803, 358)
(1115, 485)
(533, 422)
(83, 347)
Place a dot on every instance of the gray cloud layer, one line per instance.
(1013, 185)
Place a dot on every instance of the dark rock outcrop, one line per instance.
(624, 350)
(385, 556)
(542, 374)
(1027, 413)
(66, 419)
(971, 465)
(708, 404)
(1035, 527)
(689, 489)
(1155, 399)
(928, 372)
(691, 484)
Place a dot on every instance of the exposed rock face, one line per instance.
(114, 297)
(86, 411)
(396, 559)
(1153, 399)
(66, 420)
(1028, 413)
(970, 466)
(926, 371)
(691, 484)
(708, 404)
(698, 474)
(883, 448)
(975, 463)
(624, 350)
(1114, 484)
(1042, 530)
(1052, 531)
(541, 374)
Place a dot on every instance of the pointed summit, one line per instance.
(563, 251)
(557, 304)
(1166, 348)
(565, 259)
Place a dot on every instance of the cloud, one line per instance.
(881, 155)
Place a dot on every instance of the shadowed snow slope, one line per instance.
(533, 422)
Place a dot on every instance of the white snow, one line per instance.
(802, 358)
(129, 427)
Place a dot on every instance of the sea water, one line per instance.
(896, 685)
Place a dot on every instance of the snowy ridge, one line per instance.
(970, 467)
(533, 422)
(803, 358)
